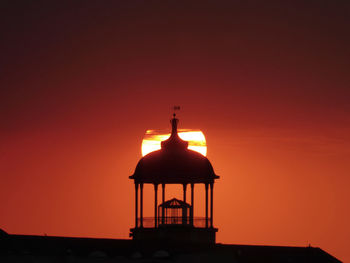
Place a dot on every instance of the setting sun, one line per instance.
(152, 139)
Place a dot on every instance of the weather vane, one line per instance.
(175, 108)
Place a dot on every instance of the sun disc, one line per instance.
(153, 138)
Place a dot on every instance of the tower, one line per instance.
(174, 219)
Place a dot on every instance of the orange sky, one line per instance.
(267, 84)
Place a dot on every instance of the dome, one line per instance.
(174, 163)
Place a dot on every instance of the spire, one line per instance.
(174, 123)
(174, 141)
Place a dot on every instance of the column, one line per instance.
(136, 202)
(155, 204)
(192, 204)
(211, 203)
(141, 205)
(163, 200)
(185, 216)
(184, 186)
(206, 205)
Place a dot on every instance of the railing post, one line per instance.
(136, 203)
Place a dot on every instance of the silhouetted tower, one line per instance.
(174, 219)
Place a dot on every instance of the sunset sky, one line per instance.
(267, 83)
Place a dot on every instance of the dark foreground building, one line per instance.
(20, 248)
(174, 234)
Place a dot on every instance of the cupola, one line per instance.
(174, 220)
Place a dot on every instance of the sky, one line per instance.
(266, 81)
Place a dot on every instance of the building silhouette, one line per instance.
(174, 234)
(174, 219)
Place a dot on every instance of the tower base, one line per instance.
(175, 234)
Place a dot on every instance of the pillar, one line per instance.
(155, 204)
(206, 205)
(192, 204)
(184, 186)
(136, 202)
(211, 203)
(141, 205)
(163, 200)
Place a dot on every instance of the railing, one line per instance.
(174, 220)
(148, 222)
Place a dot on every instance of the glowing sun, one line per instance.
(152, 139)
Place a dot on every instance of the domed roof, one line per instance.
(174, 163)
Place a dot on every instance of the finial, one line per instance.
(174, 141)
(175, 108)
